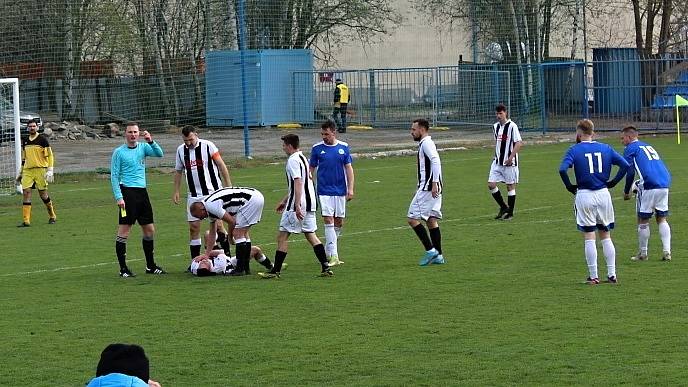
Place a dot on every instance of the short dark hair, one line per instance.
(586, 126)
(422, 122)
(630, 129)
(132, 123)
(291, 139)
(31, 121)
(203, 272)
(329, 124)
(127, 359)
(500, 108)
(195, 206)
(188, 129)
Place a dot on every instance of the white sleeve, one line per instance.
(215, 209)
(212, 149)
(194, 267)
(294, 168)
(430, 150)
(515, 133)
(179, 161)
(219, 264)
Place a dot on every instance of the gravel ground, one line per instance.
(89, 155)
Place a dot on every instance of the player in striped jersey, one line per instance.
(592, 164)
(427, 202)
(128, 180)
(504, 168)
(335, 177)
(298, 209)
(241, 208)
(216, 262)
(36, 171)
(203, 166)
(653, 191)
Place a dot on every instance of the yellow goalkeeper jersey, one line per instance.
(36, 152)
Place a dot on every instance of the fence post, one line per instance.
(372, 96)
(244, 92)
(435, 95)
(543, 98)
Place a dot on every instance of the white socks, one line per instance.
(330, 240)
(610, 256)
(643, 237)
(591, 257)
(665, 235)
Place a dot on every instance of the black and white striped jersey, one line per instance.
(297, 168)
(429, 165)
(228, 199)
(202, 175)
(506, 136)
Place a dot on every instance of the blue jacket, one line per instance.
(117, 380)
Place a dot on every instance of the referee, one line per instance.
(128, 178)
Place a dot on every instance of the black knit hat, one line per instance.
(128, 359)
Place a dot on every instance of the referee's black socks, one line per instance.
(148, 251)
(121, 251)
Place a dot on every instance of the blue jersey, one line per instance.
(330, 161)
(645, 160)
(129, 166)
(592, 163)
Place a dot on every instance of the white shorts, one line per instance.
(291, 224)
(594, 210)
(503, 174)
(333, 206)
(251, 212)
(189, 201)
(424, 206)
(649, 201)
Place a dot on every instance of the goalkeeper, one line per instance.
(36, 171)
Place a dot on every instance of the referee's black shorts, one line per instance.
(137, 206)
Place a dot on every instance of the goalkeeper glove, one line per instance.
(49, 177)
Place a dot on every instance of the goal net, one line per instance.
(10, 142)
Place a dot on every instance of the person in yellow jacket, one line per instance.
(37, 171)
(341, 101)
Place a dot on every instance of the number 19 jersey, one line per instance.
(651, 169)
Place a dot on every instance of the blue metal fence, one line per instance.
(616, 89)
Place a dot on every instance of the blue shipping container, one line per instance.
(273, 97)
(616, 77)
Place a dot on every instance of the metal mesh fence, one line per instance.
(264, 62)
(9, 147)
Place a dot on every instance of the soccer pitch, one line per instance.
(509, 307)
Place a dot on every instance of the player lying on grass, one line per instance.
(216, 262)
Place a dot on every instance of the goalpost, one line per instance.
(10, 135)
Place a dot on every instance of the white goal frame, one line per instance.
(17, 126)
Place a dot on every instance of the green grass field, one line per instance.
(508, 308)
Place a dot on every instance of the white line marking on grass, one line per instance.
(66, 268)
(395, 228)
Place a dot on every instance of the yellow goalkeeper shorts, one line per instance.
(34, 177)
